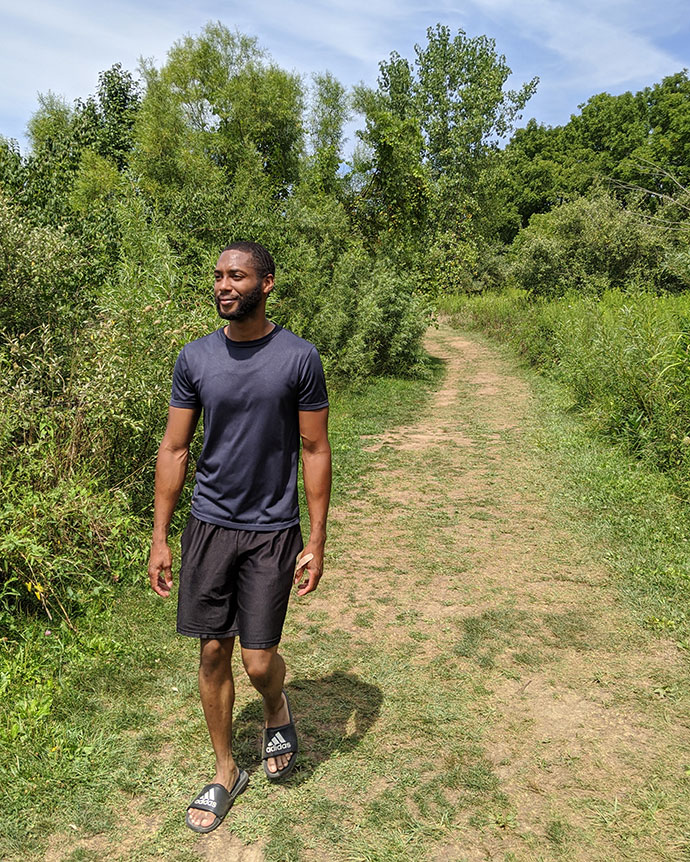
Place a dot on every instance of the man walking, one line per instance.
(261, 390)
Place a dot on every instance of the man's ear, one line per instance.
(268, 284)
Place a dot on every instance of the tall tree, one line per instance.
(460, 97)
(220, 99)
(327, 116)
(432, 129)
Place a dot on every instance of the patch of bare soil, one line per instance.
(460, 525)
(223, 846)
(135, 829)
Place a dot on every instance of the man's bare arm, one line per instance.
(171, 468)
(316, 469)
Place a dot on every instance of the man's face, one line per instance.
(239, 291)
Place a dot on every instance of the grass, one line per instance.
(622, 359)
(597, 357)
(631, 516)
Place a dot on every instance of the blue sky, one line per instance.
(577, 48)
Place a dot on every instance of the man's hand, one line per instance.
(308, 575)
(160, 569)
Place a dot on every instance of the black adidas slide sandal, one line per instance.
(216, 799)
(280, 740)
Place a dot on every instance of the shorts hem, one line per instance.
(263, 645)
(232, 634)
(207, 635)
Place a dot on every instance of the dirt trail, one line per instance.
(462, 513)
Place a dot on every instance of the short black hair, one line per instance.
(264, 263)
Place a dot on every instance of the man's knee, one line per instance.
(215, 654)
(259, 664)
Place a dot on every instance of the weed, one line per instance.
(558, 833)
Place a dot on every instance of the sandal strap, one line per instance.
(279, 740)
(212, 798)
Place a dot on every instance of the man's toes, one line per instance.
(201, 818)
(277, 764)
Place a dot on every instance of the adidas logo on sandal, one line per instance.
(206, 799)
(278, 743)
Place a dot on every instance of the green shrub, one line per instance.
(63, 546)
(590, 246)
(41, 276)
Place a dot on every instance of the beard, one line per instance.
(245, 306)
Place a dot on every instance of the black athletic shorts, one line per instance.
(236, 582)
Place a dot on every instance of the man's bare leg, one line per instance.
(266, 671)
(217, 691)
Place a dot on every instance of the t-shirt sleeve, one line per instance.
(184, 393)
(312, 383)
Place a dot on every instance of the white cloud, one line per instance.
(594, 43)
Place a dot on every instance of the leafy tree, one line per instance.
(396, 195)
(52, 162)
(41, 277)
(59, 134)
(636, 144)
(460, 98)
(328, 113)
(667, 142)
(431, 131)
(12, 167)
(262, 110)
(105, 123)
(225, 99)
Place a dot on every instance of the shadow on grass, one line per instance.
(332, 714)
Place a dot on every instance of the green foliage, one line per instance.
(451, 262)
(96, 183)
(327, 115)
(87, 542)
(614, 139)
(226, 101)
(12, 168)
(397, 196)
(431, 131)
(61, 136)
(460, 98)
(41, 273)
(105, 123)
(667, 142)
(590, 245)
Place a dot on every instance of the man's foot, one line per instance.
(202, 819)
(279, 764)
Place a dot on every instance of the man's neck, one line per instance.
(250, 329)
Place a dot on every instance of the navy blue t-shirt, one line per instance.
(250, 393)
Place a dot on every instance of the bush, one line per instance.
(590, 246)
(64, 544)
(41, 276)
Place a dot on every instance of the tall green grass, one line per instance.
(623, 359)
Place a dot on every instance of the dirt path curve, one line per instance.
(517, 635)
